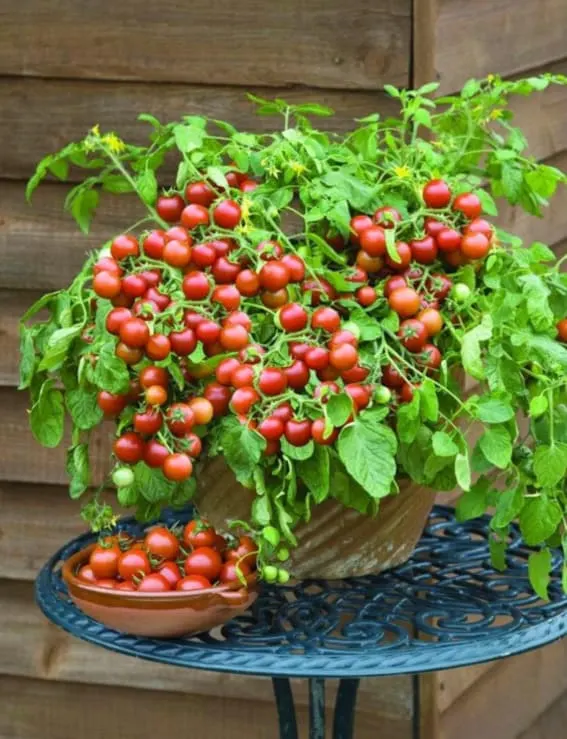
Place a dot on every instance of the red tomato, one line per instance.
(86, 574)
(183, 342)
(248, 283)
(272, 381)
(126, 585)
(297, 375)
(480, 226)
(154, 243)
(413, 334)
(128, 354)
(394, 283)
(405, 301)
(293, 317)
(406, 392)
(238, 318)
(424, 250)
(129, 447)
(199, 193)
(296, 267)
(275, 300)
(360, 395)
(269, 250)
(193, 582)
(159, 298)
(134, 563)
(152, 375)
(366, 296)
(226, 295)
(219, 397)
(106, 583)
(432, 320)
(284, 412)
(468, 204)
(318, 433)
(387, 217)
(404, 254)
(154, 583)
(124, 246)
(436, 194)
(202, 410)
(298, 433)
(439, 286)
(107, 264)
(134, 332)
(224, 271)
(208, 331)
(449, 239)
(327, 319)
(116, 318)
(391, 377)
(343, 336)
(325, 390)
(274, 275)
(134, 286)
(343, 357)
(562, 330)
(107, 285)
(155, 453)
(356, 374)
(171, 572)
(193, 445)
(242, 375)
(177, 254)
(434, 227)
(373, 241)
(204, 561)
(158, 347)
(227, 214)
(194, 215)
(203, 255)
(475, 245)
(359, 224)
(199, 533)
(224, 371)
(243, 399)
(318, 288)
(368, 263)
(177, 467)
(234, 572)
(147, 423)
(169, 207)
(430, 357)
(233, 338)
(248, 186)
(103, 560)
(317, 358)
(110, 404)
(271, 428)
(178, 233)
(161, 542)
(180, 419)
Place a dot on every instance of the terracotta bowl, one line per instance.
(178, 613)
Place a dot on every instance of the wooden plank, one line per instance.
(425, 14)
(551, 723)
(452, 684)
(252, 43)
(74, 106)
(491, 708)
(45, 652)
(474, 39)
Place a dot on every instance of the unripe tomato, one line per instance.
(436, 194)
(122, 477)
(460, 292)
(169, 207)
(382, 394)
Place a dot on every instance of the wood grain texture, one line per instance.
(452, 684)
(68, 109)
(45, 652)
(249, 43)
(424, 50)
(509, 697)
(551, 724)
(506, 37)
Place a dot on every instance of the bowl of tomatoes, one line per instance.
(170, 582)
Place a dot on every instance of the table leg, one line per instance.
(285, 707)
(343, 724)
(316, 708)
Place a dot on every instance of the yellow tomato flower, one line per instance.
(95, 130)
(245, 208)
(113, 142)
(297, 167)
(496, 114)
(402, 172)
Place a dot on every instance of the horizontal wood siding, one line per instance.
(252, 42)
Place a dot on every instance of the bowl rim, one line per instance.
(225, 594)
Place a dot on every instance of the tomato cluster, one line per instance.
(165, 559)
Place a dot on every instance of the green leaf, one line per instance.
(509, 503)
(496, 445)
(369, 327)
(78, 469)
(429, 401)
(443, 445)
(151, 483)
(474, 502)
(315, 473)
(339, 408)
(83, 407)
(242, 449)
(547, 350)
(539, 519)
(367, 449)
(83, 207)
(47, 417)
(111, 373)
(423, 117)
(487, 202)
(58, 347)
(550, 464)
(116, 184)
(217, 176)
(27, 357)
(471, 350)
(261, 510)
(147, 186)
(346, 490)
(271, 535)
(463, 471)
(407, 422)
(127, 496)
(539, 569)
(493, 410)
(188, 137)
(298, 453)
(538, 405)
(313, 109)
(497, 550)
(537, 294)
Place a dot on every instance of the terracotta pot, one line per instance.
(337, 542)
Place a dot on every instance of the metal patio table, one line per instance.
(446, 607)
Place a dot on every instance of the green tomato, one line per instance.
(283, 554)
(382, 394)
(270, 573)
(283, 577)
(461, 292)
(122, 477)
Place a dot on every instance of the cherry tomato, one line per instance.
(424, 250)
(430, 356)
(298, 433)
(387, 217)
(169, 207)
(391, 377)
(224, 271)
(177, 254)
(171, 572)
(234, 572)
(404, 255)
(284, 412)
(404, 301)
(327, 319)
(154, 583)
(159, 298)
(233, 338)
(183, 342)
(106, 582)
(202, 410)
(366, 296)
(129, 447)
(248, 283)
(107, 264)
(406, 392)
(368, 263)
(480, 226)
(413, 334)
(394, 283)
(225, 369)
(180, 419)
(271, 428)
(275, 300)
(111, 404)
(203, 255)
(154, 243)
(360, 395)
(158, 347)
(272, 381)
(317, 358)
(343, 336)
(318, 433)
(219, 397)
(343, 357)
(248, 186)
(449, 239)
(227, 214)
(153, 375)
(359, 224)
(155, 453)
(293, 317)
(475, 245)
(86, 574)
(134, 286)
(269, 250)
(318, 288)
(193, 582)
(103, 560)
(107, 285)
(382, 394)
(199, 533)
(433, 227)
(223, 246)
(468, 204)
(243, 399)
(147, 423)
(124, 246)
(242, 375)
(356, 374)
(373, 241)
(178, 233)
(116, 318)
(193, 445)
(325, 390)
(134, 563)
(432, 320)
(226, 295)
(297, 375)
(238, 318)
(296, 267)
(208, 331)
(128, 354)
(204, 561)
(562, 330)
(177, 467)
(436, 194)
(134, 332)
(194, 215)
(439, 286)
(161, 542)
(199, 193)
(274, 275)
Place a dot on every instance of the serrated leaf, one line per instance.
(315, 473)
(494, 410)
(496, 445)
(83, 206)
(78, 469)
(242, 448)
(297, 453)
(443, 445)
(147, 186)
(550, 464)
(83, 407)
(474, 502)
(471, 354)
(47, 417)
(407, 422)
(111, 373)
(429, 401)
(339, 408)
(539, 519)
